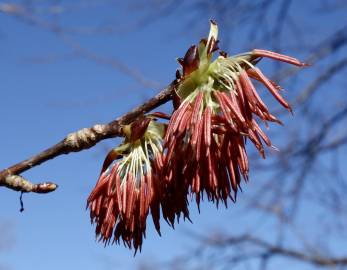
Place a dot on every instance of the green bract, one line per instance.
(217, 75)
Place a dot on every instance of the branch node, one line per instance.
(84, 138)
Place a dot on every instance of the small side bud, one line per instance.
(45, 187)
(191, 60)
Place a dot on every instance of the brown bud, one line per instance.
(191, 60)
(138, 128)
(45, 187)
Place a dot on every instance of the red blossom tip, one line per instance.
(280, 57)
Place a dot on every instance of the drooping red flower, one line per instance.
(203, 151)
(127, 188)
(218, 112)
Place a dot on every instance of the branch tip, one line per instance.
(18, 183)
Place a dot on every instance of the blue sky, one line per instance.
(47, 91)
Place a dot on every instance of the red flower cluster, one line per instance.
(202, 151)
(124, 194)
(206, 136)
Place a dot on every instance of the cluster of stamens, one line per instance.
(124, 193)
(200, 151)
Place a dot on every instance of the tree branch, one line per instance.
(272, 250)
(78, 141)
